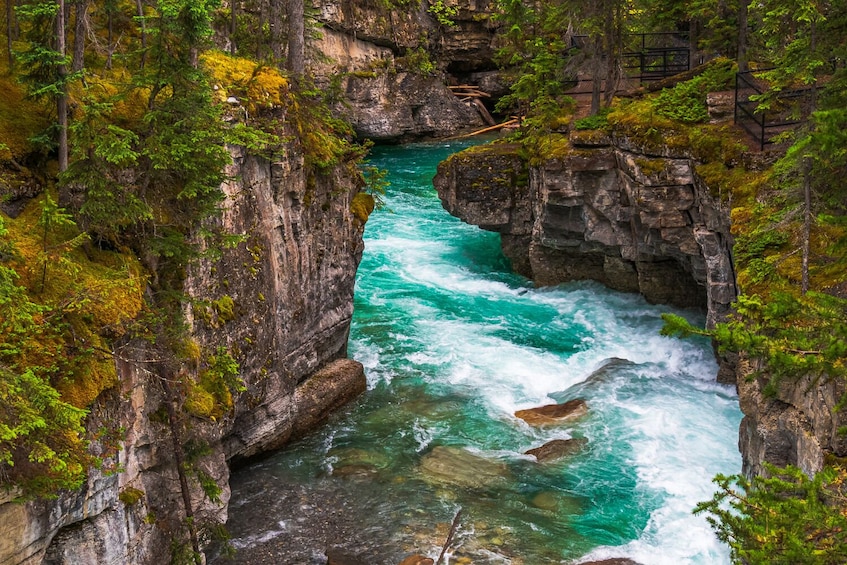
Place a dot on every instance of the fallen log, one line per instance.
(484, 130)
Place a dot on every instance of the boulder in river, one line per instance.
(460, 467)
(557, 449)
(554, 413)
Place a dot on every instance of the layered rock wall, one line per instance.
(594, 210)
(388, 70)
(290, 287)
(642, 221)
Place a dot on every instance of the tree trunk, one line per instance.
(62, 98)
(233, 26)
(10, 12)
(109, 37)
(259, 34)
(596, 75)
(80, 27)
(743, 9)
(296, 62)
(139, 5)
(179, 461)
(807, 222)
(275, 23)
(613, 37)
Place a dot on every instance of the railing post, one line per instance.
(762, 144)
(735, 107)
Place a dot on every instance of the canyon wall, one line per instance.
(600, 209)
(604, 208)
(288, 292)
(388, 70)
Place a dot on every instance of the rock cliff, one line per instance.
(596, 208)
(640, 220)
(290, 287)
(388, 70)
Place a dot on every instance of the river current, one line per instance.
(453, 344)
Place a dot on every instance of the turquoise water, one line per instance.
(453, 344)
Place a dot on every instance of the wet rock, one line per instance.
(337, 556)
(561, 504)
(602, 208)
(417, 560)
(554, 413)
(460, 467)
(557, 448)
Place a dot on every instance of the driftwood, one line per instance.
(483, 111)
(485, 130)
(453, 527)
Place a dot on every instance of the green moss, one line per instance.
(362, 205)
(225, 308)
(650, 167)
(130, 496)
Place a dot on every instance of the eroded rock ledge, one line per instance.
(598, 208)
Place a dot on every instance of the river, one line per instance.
(453, 344)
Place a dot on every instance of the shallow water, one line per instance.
(453, 344)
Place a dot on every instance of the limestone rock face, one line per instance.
(796, 426)
(290, 286)
(403, 106)
(388, 70)
(604, 211)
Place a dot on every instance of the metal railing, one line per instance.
(650, 56)
(785, 111)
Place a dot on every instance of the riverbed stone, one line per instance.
(458, 466)
(554, 413)
(557, 448)
(417, 560)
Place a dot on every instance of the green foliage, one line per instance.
(376, 183)
(536, 52)
(785, 518)
(679, 327)
(686, 101)
(443, 12)
(600, 120)
(41, 449)
(49, 369)
(417, 60)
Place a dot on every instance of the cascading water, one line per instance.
(453, 344)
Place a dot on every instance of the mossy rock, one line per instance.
(362, 206)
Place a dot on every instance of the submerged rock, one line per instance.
(557, 448)
(460, 467)
(417, 560)
(554, 413)
(337, 556)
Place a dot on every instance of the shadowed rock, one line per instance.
(554, 413)
(557, 449)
